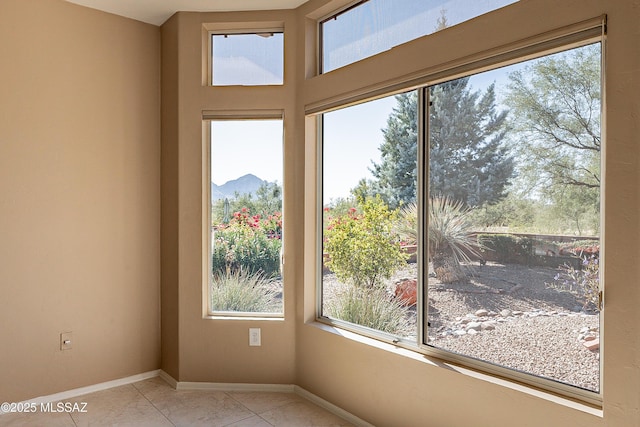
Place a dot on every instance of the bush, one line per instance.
(248, 244)
(240, 291)
(507, 248)
(583, 283)
(363, 249)
(372, 307)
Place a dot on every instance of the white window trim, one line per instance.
(209, 116)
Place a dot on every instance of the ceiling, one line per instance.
(158, 11)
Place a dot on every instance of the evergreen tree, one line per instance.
(468, 161)
(396, 175)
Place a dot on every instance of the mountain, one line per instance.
(245, 184)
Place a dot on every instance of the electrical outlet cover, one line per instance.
(66, 341)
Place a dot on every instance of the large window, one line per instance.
(246, 217)
(507, 224)
(373, 26)
(247, 59)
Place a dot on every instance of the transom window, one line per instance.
(373, 26)
(247, 59)
(495, 263)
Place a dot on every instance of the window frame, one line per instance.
(484, 61)
(253, 30)
(353, 5)
(208, 117)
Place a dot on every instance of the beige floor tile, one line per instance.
(259, 402)
(197, 407)
(122, 406)
(303, 413)
(254, 421)
(36, 419)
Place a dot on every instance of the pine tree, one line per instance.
(468, 161)
(396, 175)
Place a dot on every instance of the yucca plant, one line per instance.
(241, 291)
(450, 242)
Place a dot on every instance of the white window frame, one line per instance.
(209, 116)
(273, 28)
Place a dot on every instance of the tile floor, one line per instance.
(154, 403)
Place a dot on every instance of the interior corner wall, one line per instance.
(79, 197)
(169, 201)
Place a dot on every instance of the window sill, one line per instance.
(247, 317)
(430, 360)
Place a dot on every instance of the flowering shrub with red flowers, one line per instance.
(248, 243)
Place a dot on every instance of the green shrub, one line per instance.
(363, 249)
(241, 291)
(507, 247)
(372, 307)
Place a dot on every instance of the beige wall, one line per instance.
(79, 197)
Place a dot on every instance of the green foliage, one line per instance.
(556, 108)
(241, 291)
(507, 247)
(468, 158)
(396, 174)
(371, 307)
(449, 228)
(248, 244)
(583, 282)
(363, 248)
(513, 212)
(407, 224)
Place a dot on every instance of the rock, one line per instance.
(592, 345)
(473, 326)
(482, 313)
(505, 313)
(589, 338)
(517, 313)
(472, 332)
(488, 326)
(407, 292)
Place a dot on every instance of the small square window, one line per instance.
(247, 59)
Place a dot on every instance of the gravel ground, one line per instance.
(545, 339)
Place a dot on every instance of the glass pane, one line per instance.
(247, 59)
(378, 25)
(514, 217)
(246, 216)
(369, 178)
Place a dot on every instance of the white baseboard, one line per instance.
(70, 394)
(185, 385)
(336, 410)
(282, 388)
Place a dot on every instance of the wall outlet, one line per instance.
(254, 337)
(66, 341)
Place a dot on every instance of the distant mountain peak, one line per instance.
(246, 184)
